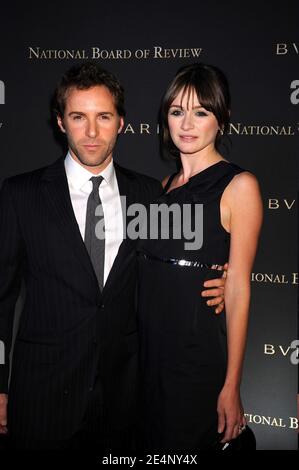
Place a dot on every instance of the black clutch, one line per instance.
(244, 442)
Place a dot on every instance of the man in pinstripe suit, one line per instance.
(74, 373)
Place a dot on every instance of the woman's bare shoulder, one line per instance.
(244, 182)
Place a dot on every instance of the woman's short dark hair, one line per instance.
(83, 77)
(212, 90)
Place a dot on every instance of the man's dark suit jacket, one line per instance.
(69, 331)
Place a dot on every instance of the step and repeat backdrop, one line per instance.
(256, 44)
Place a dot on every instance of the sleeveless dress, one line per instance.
(183, 347)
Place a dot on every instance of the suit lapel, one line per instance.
(58, 201)
(126, 186)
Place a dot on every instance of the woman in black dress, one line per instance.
(191, 360)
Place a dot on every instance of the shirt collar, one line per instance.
(79, 176)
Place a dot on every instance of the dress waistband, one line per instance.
(180, 262)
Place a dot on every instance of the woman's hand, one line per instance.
(3, 413)
(231, 417)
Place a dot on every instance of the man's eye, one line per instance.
(77, 118)
(105, 116)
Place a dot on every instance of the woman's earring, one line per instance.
(221, 131)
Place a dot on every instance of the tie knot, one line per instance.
(96, 182)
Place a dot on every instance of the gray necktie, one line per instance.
(95, 245)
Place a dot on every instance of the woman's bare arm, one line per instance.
(243, 199)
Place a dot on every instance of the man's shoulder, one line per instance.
(147, 183)
(29, 179)
(136, 175)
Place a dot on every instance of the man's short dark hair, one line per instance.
(83, 77)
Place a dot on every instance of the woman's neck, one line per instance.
(191, 165)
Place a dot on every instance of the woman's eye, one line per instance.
(201, 113)
(176, 112)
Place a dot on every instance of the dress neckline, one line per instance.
(197, 175)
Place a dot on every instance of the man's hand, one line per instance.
(216, 290)
(3, 413)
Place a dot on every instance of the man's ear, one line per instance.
(121, 124)
(60, 124)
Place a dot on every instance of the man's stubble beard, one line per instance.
(99, 161)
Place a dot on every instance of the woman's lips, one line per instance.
(188, 138)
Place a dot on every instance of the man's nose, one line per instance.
(92, 129)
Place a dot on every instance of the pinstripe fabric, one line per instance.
(71, 335)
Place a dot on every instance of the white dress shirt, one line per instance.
(80, 187)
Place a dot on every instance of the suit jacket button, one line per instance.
(65, 392)
(90, 389)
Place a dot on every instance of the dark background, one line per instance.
(239, 37)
